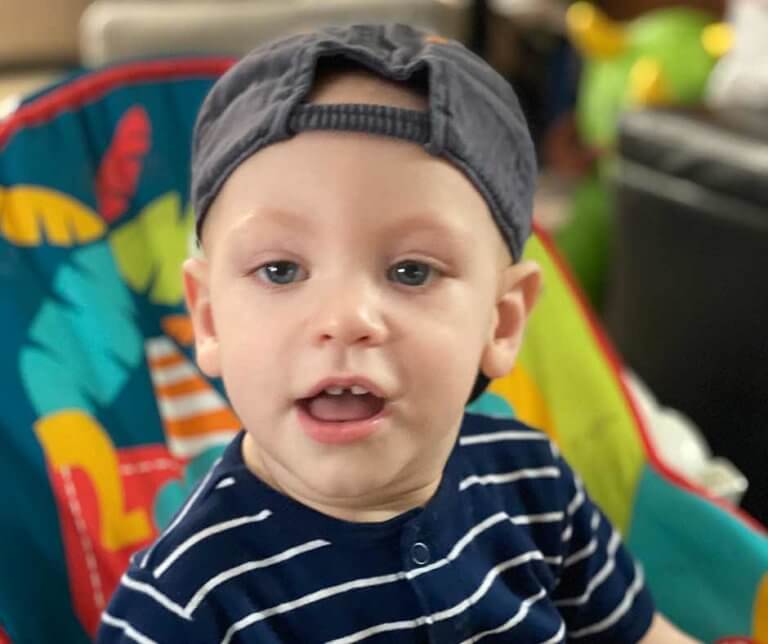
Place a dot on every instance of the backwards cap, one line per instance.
(473, 118)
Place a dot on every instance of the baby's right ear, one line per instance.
(198, 296)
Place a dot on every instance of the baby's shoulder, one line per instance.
(222, 522)
(511, 465)
(222, 539)
(505, 441)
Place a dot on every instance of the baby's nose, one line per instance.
(351, 315)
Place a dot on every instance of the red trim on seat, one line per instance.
(615, 362)
(94, 85)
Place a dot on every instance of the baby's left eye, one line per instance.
(411, 273)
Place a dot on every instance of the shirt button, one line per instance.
(420, 553)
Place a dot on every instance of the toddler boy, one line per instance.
(363, 195)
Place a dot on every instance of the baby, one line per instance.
(363, 196)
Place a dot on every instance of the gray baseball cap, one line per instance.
(473, 118)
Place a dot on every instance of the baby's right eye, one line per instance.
(281, 272)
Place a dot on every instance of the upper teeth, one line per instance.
(357, 390)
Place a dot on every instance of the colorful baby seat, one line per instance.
(106, 422)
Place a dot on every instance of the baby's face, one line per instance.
(349, 295)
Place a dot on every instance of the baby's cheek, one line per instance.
(451, 370)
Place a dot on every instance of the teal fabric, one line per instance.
(71, 331)
(490, 404)
(703, 566)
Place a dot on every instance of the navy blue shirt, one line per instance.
(510, 548)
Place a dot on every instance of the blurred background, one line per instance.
(650, 119)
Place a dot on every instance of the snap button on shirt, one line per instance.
(420, 553)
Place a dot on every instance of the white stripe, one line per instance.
(619, 611)
(173, 374)
(576, 502)
(544, 517)
(227, 482)
(510, 435)
(557, 637)
(518, 617)
(599, 577)
(151, 591)
(381, 628)
(194, 445)
(555, 561)
(194, 404)
(585, 552)
(181, 514)
(318, 595)
(159, 348)
(204, 534)
(509, 477)
(448, 612)
(130, 632)
(593, 523)
(222, 577)
(465, 540)
(143, 467)
(366, 582)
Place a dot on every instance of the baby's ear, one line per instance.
(519, 288)
(198, 296)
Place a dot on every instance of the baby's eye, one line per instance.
(281, 272)
(411, 273)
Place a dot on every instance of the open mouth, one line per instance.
(342, 405)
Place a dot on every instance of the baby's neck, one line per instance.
(374, 508)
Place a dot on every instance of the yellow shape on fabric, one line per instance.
(73, 439)
(593, 32)
(587, 409)
(522, 393)
(150, 249)
(760, 627)
(718, 39)
(31, 216)
(647, 85)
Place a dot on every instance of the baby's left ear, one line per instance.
(518, 291)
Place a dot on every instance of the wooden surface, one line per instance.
(39, 31)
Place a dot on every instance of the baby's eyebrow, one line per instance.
(421, 226)
(275, 220)
(428, 224)
(257, 223)
(273, 217)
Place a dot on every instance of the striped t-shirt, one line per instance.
(510, 549)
